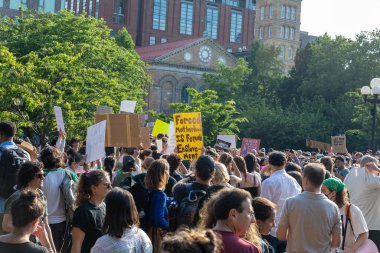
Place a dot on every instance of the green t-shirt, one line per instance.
(120, 178)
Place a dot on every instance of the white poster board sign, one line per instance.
(95, 141)
(59, 118)
(128, 106)
(159, 146)
(228, 138)
(171, 141)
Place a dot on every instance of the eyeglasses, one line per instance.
(40, 175)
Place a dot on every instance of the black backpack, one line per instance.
(10, 162)
(188, 206)
(141, 196)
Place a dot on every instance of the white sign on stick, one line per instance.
(128, 106)
(228, 138)
(96, 141)
(59, 118)
(171, 141)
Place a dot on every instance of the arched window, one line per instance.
(185, 94)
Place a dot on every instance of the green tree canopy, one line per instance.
(69, 61)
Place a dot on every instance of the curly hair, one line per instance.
(28, 172)
(192, 241)
(51, 157)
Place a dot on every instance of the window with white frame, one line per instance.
(290, 53)
(1, 3)
(97, 8)
(186, 21)
(292, 33)
(293, 13)
(282, 51)
(269, 32)
(118, 13)
(287, 32)
(282, 32)
(287, 12)
(159, 14)
(77, 7)
(164, 40)
(283, 11)
(72, 5)
(236, 26)
(84, 5)
(262, 12)
(270, 11)
(152, 40)
(212, 21)
(261, 33)
(90, 7)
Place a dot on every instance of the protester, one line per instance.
(310, 222)
(340, 170)
(363, 185)
(30, 176)
(58, 188)
(232, 169)
(278, 188)
(221, 176)
(265, 213)
(192, 241)
(75, 144)
(329, 166)
(249, 182)
(175, 161)
(89, 215)
(121, 226)
(354, 227)
(146, 164)
(8, 168)
(155, 181)
(126, 172)
(25, 212)
(234, 215)
(192, 192)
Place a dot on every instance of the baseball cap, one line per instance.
(205, 167)
(128, 160)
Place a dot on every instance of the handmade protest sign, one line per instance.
(318, 145)
(128, 106)
(228, 138)
(171, 141)
(338, 144)
(95, 141)
(248, 145)
(188, 134)
(220, 144)
(160, 127)
(59, 118)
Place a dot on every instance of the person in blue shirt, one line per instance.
(155, 181)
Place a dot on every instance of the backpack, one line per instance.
(10, 162)
(141, 196)
(186, 209)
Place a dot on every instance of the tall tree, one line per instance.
(69, 61)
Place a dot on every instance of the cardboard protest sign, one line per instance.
(188, 134)
(59, 118)
(95, 141)
(338, 144)
(128, 106)
(102, 109)
(122, 130)
(144, 137)
(160, 127)
(248, 145)
(228, 138)
(220, 144)
(318, 145)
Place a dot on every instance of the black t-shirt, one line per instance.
(89, 218)
(176, 175)
(27, 247)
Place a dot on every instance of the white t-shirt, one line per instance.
(358, 225)
(364, 190)
(134, 240)
(253, 180)
(54, 197)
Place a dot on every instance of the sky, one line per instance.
(339, 17)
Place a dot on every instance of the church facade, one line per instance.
(176, 66)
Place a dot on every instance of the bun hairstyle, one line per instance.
(192, 241)
(26, 209)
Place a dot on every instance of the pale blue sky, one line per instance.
(339, 17)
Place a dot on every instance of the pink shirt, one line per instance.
(234, 244)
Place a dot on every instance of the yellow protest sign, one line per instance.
(188, 134)
(160, 127)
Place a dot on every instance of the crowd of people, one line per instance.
(148, 200)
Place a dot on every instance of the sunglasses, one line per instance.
(40, 175)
